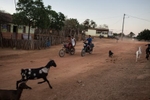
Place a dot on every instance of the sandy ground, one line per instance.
(92, 77)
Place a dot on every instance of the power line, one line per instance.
(116, 22)
(100, 18)
(138, 18)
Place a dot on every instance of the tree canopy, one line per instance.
(131, 34)
(89, 24)
(34, 13)
(144, 35)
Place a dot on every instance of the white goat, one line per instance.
(138, 53)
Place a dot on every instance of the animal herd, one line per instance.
(41, 73)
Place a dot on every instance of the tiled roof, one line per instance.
(5, 17)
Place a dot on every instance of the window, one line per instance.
(4, 28)
(98, 32)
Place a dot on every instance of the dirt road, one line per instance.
(93, 77)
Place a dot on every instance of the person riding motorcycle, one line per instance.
(69, 42)
(73, 41)
(89, 39)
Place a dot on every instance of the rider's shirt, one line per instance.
(89, 40)
(73, 41)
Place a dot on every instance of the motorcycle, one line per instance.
(65, 49)
(87, 49)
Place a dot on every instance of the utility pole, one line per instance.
(123, 27)
(15, 4)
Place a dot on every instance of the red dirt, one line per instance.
(92, 77)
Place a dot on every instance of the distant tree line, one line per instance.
(34, 13)
(144, 35)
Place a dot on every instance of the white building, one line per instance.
(97, 32)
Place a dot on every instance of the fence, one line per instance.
(32, 44)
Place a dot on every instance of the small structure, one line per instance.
(97, 32)
(12, 31)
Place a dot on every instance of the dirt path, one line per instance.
(93, 77)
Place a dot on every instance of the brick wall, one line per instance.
(8, 35)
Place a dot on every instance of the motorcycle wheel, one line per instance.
(83, 52)
(90, 51)
(72, 51)
(61, 53)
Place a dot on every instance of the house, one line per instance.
(12, 31)
(97, 32)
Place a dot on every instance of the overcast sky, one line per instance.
(109, 12)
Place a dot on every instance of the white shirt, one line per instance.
(73, 41)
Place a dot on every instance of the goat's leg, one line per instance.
(45, 80)
(19, 81)
(41, 82)
(139, 56)
(136, 57)
(49, 83)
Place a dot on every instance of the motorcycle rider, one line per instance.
(69, 42)
(73, 41)
(89, 39)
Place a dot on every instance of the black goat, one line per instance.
(110, 53)
(13, 94)
(36, 73)
(147, 53)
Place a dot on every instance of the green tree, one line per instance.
(71, 26)
(93, 24)
(86, 24)
(103, 26)
(131, 34)
(144, 35)
(89, 24)
(33, 13)
(25, 13)
(56, 20)
(41, 15)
